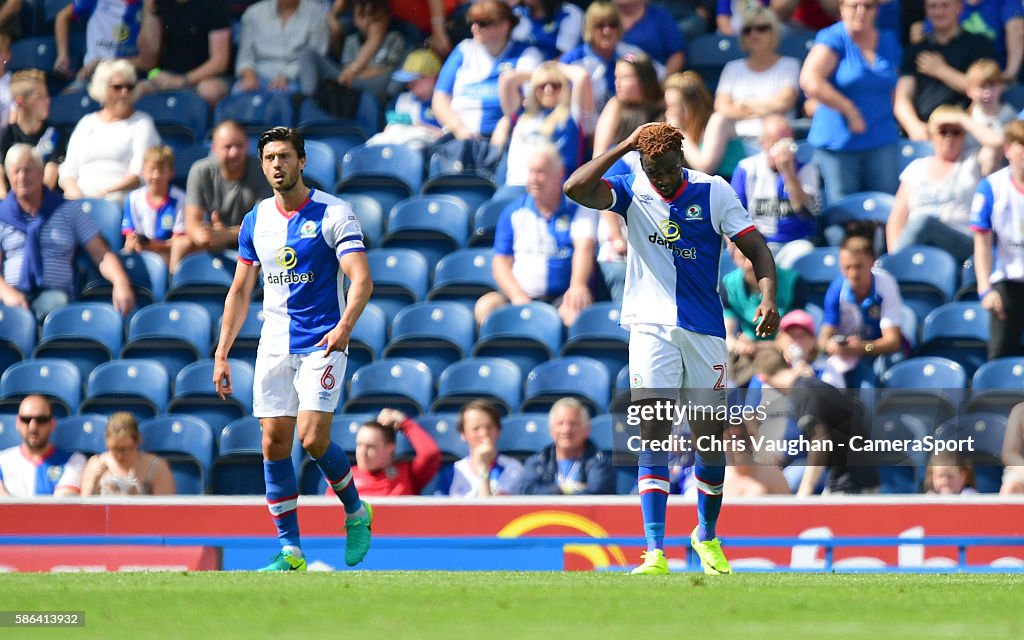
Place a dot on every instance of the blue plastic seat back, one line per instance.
(394, 162)
(443, 428)
(464, 271)
(108, 216)
(256, 109)
(37, 52)
(818, 269)
(196, 381)
(536, 321)
(429, 322)
(172, 321)
(9, 436)
(321, 164)
(929, 373)
(911, 150)
(183, 107)
(710, 53)
(66, 109)
(471, 378)
(241, 437)
(429, 216)
(86, 322)
(84, 433)
(145, 379)
(398, 272)
(204, 270)
(58, 379)
(398, 382)
(186, 443)
(523, 434)
(18, 330)
(577, 376)
(371, 217)
(873, 206)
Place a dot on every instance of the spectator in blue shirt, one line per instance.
(552, 26)
(1001, 21)
(652, 28)
(571, 464)
(543, 245)
(853, 128)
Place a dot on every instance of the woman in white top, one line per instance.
(484, 472)
(933, 203)
(123, 470)
(762, 83)
(104, 155)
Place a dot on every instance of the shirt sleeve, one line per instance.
(889, 291)
(831, 303)
(246, 249)
(832, 37)
(503, 234)
(71, 478)
(82, 8)
(179, 216)
(671, 37)
(446, 78)
(86, 227)
(569, 145)
(1012, 9)
(571, 28)
(981, 207)
(342, 231)
(584, 225)
(246, 56)
(622, 194)
(723, 7)
(728, 215)
(739, 183)
(727, 81)
(127, 224)
(529, 60)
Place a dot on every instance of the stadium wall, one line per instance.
(498, 534)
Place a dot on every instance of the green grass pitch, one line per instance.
(503, 606)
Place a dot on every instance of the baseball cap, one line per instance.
(797, 318)
(420, 63)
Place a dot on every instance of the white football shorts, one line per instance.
(672, 358)
(289, 383)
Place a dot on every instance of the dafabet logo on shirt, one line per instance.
(287, 259)
(668, 233)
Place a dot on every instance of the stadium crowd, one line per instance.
(878, 146)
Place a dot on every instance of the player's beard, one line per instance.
(289, 183)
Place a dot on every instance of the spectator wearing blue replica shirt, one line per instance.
(853, 128)
(543, 245)
(862, 314)
(111, 31)
(466, 99)
(571, 464)
(36, 467)
(484, 472)
(652, 28)
(602, 48)
(552, 26)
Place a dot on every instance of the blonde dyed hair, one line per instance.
(123, 423)
(160, 154)
(549, 72)
(27, 81)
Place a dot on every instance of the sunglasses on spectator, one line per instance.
(28, 419)
(950, 132)
(759, 28)
(554, 86)
(866, 6)
(123, 87)
(483, 23)
(607, 25)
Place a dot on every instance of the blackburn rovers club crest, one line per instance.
(693, 212)
(636, 381)
(308, 229)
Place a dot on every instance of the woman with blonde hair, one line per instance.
(546, 117)
(124, 470)
(710, 144)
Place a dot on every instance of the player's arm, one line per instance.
(236, 308)
(357, 270)
(586, 187)
(752, 245)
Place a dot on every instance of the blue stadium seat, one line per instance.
(988, 431)
(204, 279)
(396, 383)
(256, 110)
(968, 291)
(472, 189)
(583, 378)
(194, 393)
(527, 335)
(371, 217)
(238, 467)
(84, 433)
(998, 385)
(108, 216)
(433, 225)
(622, 378)
(399, 278)
(56, 379)
(596, 334)
(435, 333)
(183, 108)
(248, 338)
(818, 269)
(872, 206)
(173, 333)
(444, 429)
(368, 339)
(928, 388)
(911, 150)
(463, 276)
(141, 387)
(184, 158)
(708, 55)
(494, 379)
(1015, 96)
(523, 434)
(321, 165)
(146, 270)
(609, 432)
(797, 43)
(86, 334)
(958, 331)
(926, 276)
(17, 335)
(39, 52)
(340, 135)
(388, 172)
(899, 472)
(485, 221)
(186, 443)
(9, 436)
(67, 109)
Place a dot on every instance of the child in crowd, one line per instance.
(412, 120)
(30, 126)
(154, 215)
(985, 86)
(949, 475)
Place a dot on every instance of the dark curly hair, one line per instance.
(282, 134)
(658, 139)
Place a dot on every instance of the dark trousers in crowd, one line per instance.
(1005, 335)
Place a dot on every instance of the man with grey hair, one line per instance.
(571, 464)
(39, 232)
(544, 244)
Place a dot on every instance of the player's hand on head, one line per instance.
(634, 138)
(391, 417)
(222, 378)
